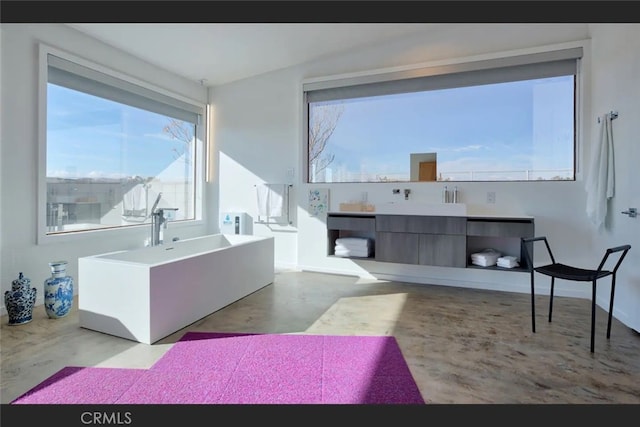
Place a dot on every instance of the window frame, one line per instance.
(443, 68)
(201, 144)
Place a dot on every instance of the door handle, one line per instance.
(632, 212)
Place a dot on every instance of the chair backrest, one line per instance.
(622, 248)
(527, 243)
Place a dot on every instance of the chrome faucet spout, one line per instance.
(155, 204)
(158, 221)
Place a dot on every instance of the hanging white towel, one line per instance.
(276, 199)
(262, 191)
(271, 199)
(600, 178)
(134, 202)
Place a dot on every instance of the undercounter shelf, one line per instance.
(446, 241)
(350, 225)
(501, 234)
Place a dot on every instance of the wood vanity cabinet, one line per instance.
(424, 240)
(445, 241)
(397, 247)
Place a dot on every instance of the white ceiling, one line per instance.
(222, 53)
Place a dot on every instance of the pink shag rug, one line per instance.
(233, 368)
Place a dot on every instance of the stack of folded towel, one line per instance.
(485, 258)
(508, 262)
(353, 247)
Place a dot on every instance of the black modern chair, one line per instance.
(562, 271)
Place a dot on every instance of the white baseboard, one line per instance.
(517, 288)
(520, 288)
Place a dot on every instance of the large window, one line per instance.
(504, 119)
(114, 150)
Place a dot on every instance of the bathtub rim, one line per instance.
(246, 239)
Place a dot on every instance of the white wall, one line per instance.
(258, 136)
(615, 85)
(19, 151)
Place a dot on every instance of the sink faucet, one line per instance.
(406, 193)
(158, 221)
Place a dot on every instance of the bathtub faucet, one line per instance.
(158, 221)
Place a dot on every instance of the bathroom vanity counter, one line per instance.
(500, 216)
(435, 240)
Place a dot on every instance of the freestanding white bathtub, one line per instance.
(148, 293)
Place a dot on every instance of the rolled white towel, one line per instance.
(353, 242)
(508, 262)
(352, 252)
(483, 262)
(352, 247)
(485, 258)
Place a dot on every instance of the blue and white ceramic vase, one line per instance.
(58, 291)
(19, 301)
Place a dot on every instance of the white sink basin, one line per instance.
(418, 208)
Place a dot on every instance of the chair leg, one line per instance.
(613, 289)
(551, 298)
(593, 313)
(533, 306)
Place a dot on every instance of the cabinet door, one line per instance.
(351, 223)
(421, 224)
(442, 250)
(500, 228)
(397, 247)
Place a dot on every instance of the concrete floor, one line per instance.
(462, 345)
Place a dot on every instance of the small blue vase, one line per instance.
(58, 291)
(19, 301)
